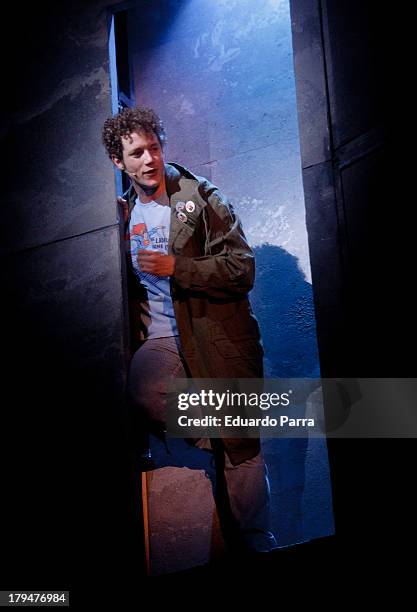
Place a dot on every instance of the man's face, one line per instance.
(142, 159)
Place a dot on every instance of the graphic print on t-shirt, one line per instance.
(149, 229)
(140, 235)
(154, 240)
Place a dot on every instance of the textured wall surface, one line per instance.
(220, 74)
(182, 533)
(63, 305)
(356, 157)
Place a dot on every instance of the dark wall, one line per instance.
(352, 74)
(63, 338)
(351, 101)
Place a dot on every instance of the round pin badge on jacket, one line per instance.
(190, 206)
(179, 206)
(181, 217)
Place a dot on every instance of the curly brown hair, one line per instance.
(139, 119)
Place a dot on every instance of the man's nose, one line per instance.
(147, 157)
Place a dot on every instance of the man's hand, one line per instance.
(156, 263)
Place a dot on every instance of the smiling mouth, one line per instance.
(150, 172)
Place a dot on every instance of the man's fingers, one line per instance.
(156, 262)
(149, 255)
(147, 267)
(147, 260)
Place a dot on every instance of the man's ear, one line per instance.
(117, 162)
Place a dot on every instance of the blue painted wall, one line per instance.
(220, 74)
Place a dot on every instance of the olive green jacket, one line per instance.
(214, 271)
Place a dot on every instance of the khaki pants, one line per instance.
(242, 492)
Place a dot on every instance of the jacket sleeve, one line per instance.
(228, 266)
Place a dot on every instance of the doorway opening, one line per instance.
(221, 77)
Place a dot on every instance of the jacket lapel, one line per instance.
(181, 186)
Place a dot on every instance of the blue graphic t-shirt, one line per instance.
(149, 229)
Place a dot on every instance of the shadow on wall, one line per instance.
(283, 304)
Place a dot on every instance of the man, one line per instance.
(190, 270)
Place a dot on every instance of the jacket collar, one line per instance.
(172, 180)
(182, 186)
